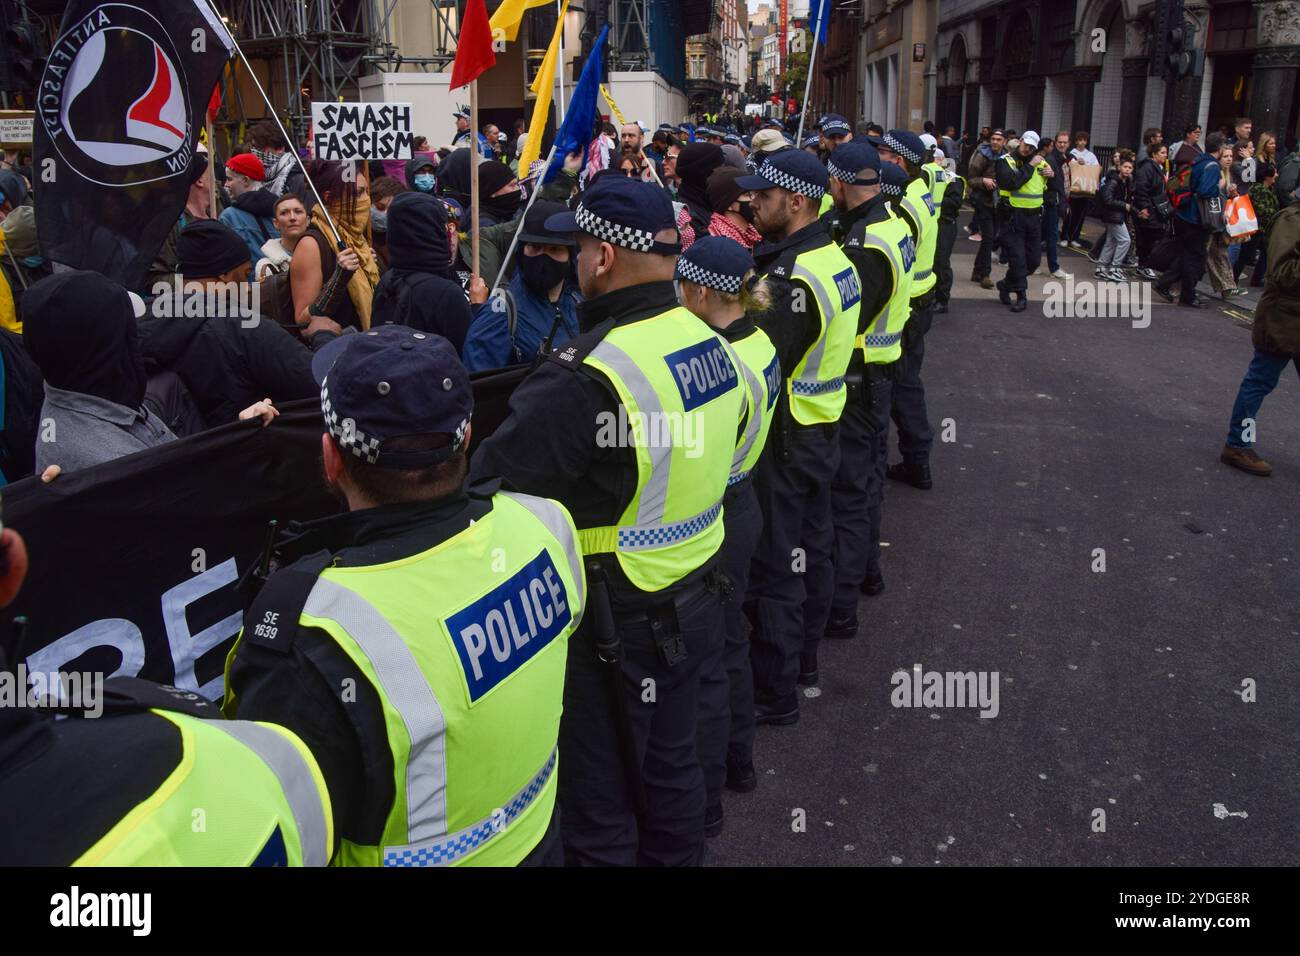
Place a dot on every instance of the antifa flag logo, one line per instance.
(116, 104)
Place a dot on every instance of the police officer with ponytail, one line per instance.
(417, 642)
(632, 425)
(879, 244)
(715, 282)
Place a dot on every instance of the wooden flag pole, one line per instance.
(473, 175)
(212, 171)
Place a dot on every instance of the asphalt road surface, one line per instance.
(1119, 691)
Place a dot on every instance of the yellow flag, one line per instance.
(543, 85)
(509, 15)
(613, 107)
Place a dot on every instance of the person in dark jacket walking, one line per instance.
(227, 361)
(1114, 201)
(1055, 200)
(1193, 237)
(981, 183)
(252, 215)
(418, 289)
(1151, 205)
(539, 310)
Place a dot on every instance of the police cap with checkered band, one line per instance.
(893, 180)
(623, 212)
(394, 382)
(792, 169)
(903, 142)
(856, 164)
(716, 262)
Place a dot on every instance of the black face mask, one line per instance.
(503, 207)
(747, 211)
(542, 273)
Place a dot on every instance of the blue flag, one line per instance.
(819, 18)
(576, 130)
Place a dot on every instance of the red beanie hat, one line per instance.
(246, 164)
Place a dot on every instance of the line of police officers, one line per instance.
(433, 676)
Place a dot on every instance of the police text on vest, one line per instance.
(702, 372)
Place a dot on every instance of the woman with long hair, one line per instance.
(1217, 263)
(345, 193)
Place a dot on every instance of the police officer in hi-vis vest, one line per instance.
(1021, 177)
(947, 192)
(633, 426)
(880, 246)
(905, 150)
(713, 282)
(154, 777)
(812, 322)
(418, 644)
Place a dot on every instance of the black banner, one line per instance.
(134, 562)
(121, 104)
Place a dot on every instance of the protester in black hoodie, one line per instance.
(499, 194)
(227, 361)
(418, 289)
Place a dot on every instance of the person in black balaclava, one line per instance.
(499, 193)
(418, 290)
(695, 163)
(80, 328)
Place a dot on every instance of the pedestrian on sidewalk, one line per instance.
(1218, 261)
(1056, 200)
(1080, 203)
(1264, 200)
(1115, 201)
(1276, 337)
(983, 189)
(1150, 181)
(1193, 235)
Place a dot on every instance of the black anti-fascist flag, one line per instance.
(134, 563)
(119, 111)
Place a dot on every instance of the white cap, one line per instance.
(1029, 137)
(938, 155)
(929, 140)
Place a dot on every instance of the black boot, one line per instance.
(1004, 295)
(842, 627)
(1021, 303)
(741, 776)
(941, 307)
(778, 713)
(713, 820)
(918, 476)
(808, 668)
(873, 583)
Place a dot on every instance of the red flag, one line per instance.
(214, 104)
(474, 54)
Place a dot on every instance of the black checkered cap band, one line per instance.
(345, 431)
(889, 189)
(713, 280)
(851, 178)
(900, 149)
(637, 240)
(793, 183)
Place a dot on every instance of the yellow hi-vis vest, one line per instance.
(680, 405)
(465, 645)
(1028, 196)
(761, 368)
(261, 795)
(892, 239)
(920, 207)
(815, 386)
(938, 178)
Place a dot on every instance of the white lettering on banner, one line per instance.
(342, 131)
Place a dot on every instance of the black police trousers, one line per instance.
(908, 394)
(598, 814)
(943, 260)
(857, 493)
(792, 579)
(727, 687)
(1022, 234)
(989, 226)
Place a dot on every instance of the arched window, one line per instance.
(957, 61)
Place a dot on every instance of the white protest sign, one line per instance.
(15, 128)
(343, 131)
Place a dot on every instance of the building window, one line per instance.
(1232, 28)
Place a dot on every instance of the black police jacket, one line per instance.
(874, 277)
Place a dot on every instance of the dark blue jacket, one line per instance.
(488, 343)
(1205, 184)
(253, 218)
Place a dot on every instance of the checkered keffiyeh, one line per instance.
(900, 149)
(637, 240)
(793, 183)
(700, 276)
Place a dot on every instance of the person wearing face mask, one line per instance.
(714, 281)
(499, 195)
(538, 311)
(382, 191)
(316, 259)
(420, 174)
(252, 212)
(418, 290)
(733, 217)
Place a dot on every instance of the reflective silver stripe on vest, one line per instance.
(654, 495)
(812, 367)
(550, 514)
(640, 537)
(296, 782)
(873, 241)
(755, 421)
(450, 848)
(404, 686)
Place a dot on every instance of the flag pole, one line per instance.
(212, 168)
(559, 12)
(473, 174)
(514, 240)
(812, 60)
(216, 16)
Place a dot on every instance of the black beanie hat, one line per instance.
(208, 248)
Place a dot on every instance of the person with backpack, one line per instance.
(252, 214)
(419, 290)
(1199, 181)
(538, 311)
